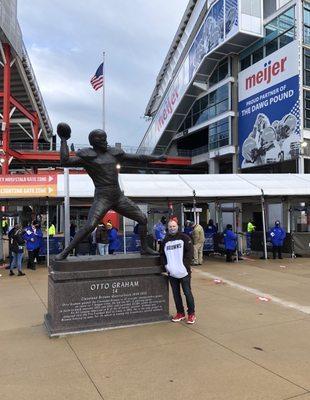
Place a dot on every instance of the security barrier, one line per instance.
(301, 241)
(257, 243)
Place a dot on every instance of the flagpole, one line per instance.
(103, 93)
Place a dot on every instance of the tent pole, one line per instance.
(47, 235)
(57, 218)
(236, 228)
(264, 226)
(221, 228)
(289, 217)
(194, 206)
(1, 239)
(67, 206)
(289, 228)
(216, 215)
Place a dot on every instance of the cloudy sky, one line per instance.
(65, 41)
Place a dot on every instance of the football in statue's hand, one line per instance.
(64, 130)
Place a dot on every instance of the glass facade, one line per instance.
(211, 105)
(307, 109)
(270, 7)
(207, 107)
(246, 62)
(307, 67)
(219, 134)
(258, 55)
(279, 32)
(282, 23)
(307, 22)
(221, 72)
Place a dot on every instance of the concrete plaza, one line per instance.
(251, 341)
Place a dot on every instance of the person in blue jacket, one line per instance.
(113, 238)
(277, 235)
(230, 241)
(33, 237)
(188, 228)
(210, 234)
(211, 228)
(160, 232)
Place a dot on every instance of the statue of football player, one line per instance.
(100, 162)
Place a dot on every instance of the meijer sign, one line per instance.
(279, 66)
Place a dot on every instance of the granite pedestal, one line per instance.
(92, 293)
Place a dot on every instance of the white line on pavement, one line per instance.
(258, 293)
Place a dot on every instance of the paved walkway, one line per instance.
(242, 347)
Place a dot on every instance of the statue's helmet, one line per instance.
(97, 137)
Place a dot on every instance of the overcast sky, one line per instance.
(65, 41)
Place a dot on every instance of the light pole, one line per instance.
(67, 206)
(2, 161)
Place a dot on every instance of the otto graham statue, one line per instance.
(100, 162)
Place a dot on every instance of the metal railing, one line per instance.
(200, 150)
(28, 147)
(219, 143)
(145, 150)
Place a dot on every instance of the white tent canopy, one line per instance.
(280, 184)
(228, 186)
(137, 185)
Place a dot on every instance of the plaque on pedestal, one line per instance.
(92, 293)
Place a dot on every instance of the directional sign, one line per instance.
(19, 186)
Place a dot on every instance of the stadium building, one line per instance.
(26, 136)
(233, 93)
(27, 142)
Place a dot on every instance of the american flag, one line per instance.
(97, 80)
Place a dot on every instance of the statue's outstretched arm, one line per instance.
(64, 132)
(143, 158)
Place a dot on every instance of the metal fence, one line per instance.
(28, 146)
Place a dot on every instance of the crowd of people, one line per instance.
(103, 240)
(198, 236)
(179, 250)
(31, 238)
(228, 238)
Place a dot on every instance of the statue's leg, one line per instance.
(97, 211)
(130, 210)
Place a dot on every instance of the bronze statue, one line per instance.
(100, 162)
